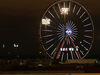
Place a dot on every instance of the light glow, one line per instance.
(15, 45)
(64, 11)
(68, 31)
(45, 21)
(3, 45)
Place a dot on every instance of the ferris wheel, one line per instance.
(66, 31)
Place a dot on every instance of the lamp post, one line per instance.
(64, 11)
(16, 47)
(46, 22)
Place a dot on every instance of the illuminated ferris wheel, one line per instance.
(66, 31)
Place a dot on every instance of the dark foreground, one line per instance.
(69, 68)
(49, 73)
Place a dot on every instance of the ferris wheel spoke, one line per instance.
(56, 12)
(71, 54)
(47, 36)
(84, 47)
(57, 48)
(74, 34)
(51, 35)
(54, 23)
(53, 51)
(59, 52)
(51, 26)
(61, 38)
(58, 29)
(67, 56)
(49, 41)
(59, 7)
(86, 42)
(74, 8)
(88, 30)
(51, 14)
(54, 18)
(85, 19)
(58, 33)
(76, 54)
(81, 52)
(48, 30)
(87, 25)
(59, 26)
(73, 38)
(50, 47)
(78, 11)
(62, 57)
(70, 24)
(82, 14)
(69, 6)
(67, 25)
(74, 27)
(75, 31)
(88, 36)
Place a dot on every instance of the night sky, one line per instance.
(20, 20)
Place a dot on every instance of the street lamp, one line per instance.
(64, 11)
(16, 45)
(45, 21)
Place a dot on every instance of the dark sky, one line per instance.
(20, 19)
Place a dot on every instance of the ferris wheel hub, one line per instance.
(68, 32)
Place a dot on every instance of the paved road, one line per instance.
(55, 74)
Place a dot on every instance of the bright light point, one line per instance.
(3, 45)
(77, 48)
(61, 49)
(80, 42)
(45, 21)
(68, 31)
(64, 11)
(40, 52)
(86, 49)
(71, 49)
(15, 45)
(64, 49)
